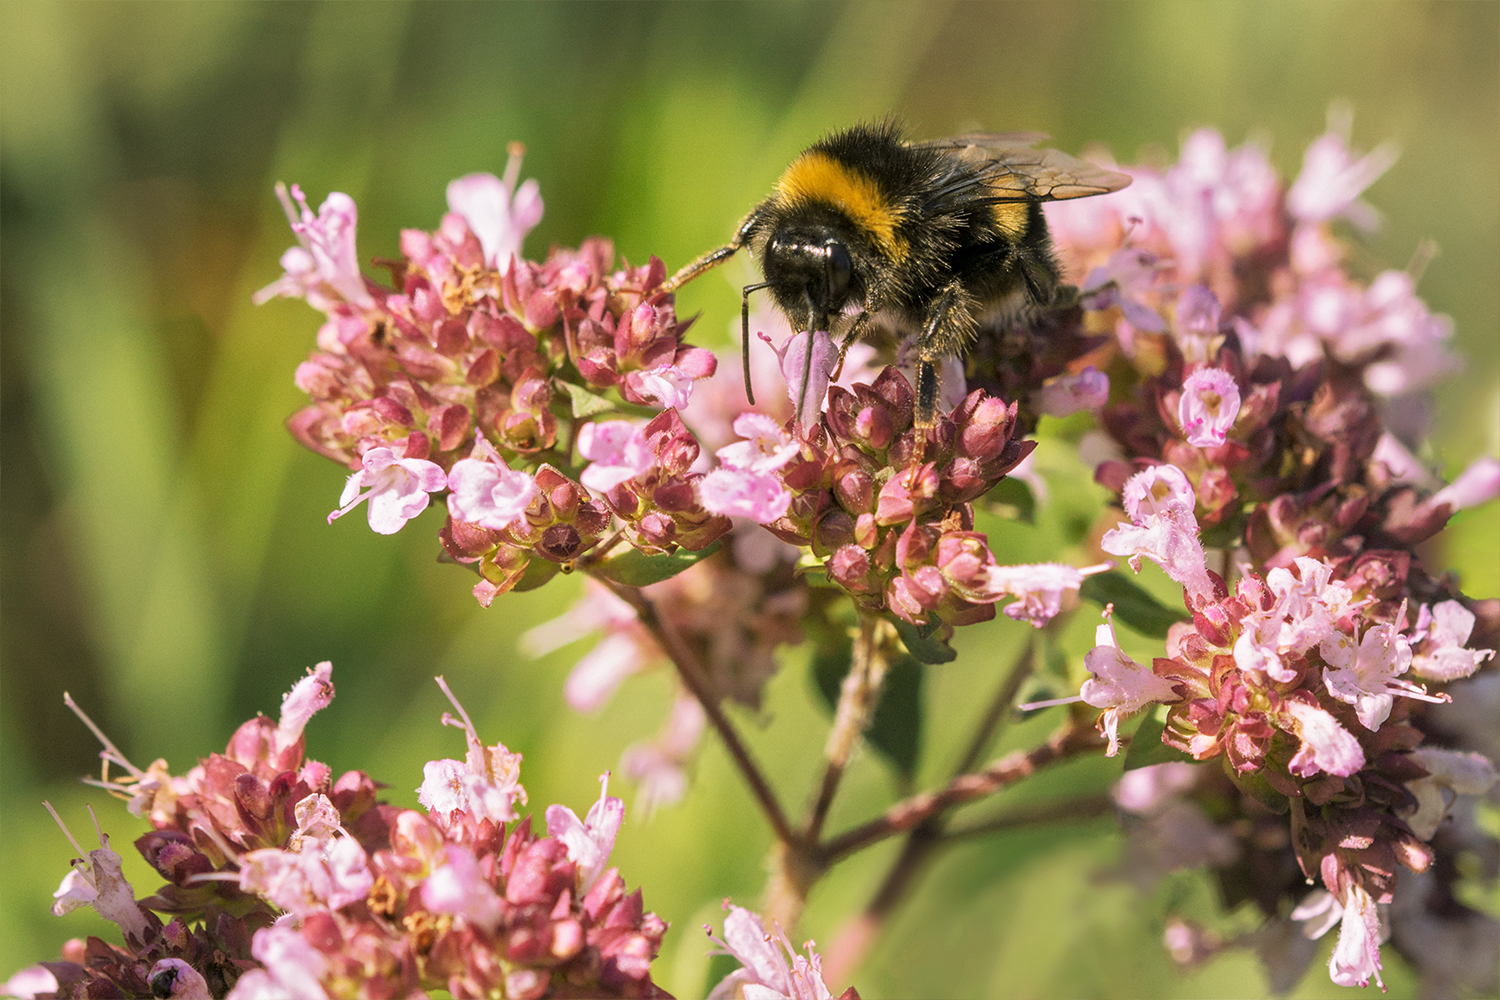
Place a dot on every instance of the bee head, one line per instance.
(811, 275)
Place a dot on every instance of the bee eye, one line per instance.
(840, 270)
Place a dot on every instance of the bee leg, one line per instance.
(860, 322)
(706, 262)
(714, 258)
(948, 330)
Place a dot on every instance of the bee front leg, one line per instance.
(714, 258)
(947, 331)
(857, 328)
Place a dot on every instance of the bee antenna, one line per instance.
(745, 335)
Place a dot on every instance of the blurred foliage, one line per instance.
(165, 555)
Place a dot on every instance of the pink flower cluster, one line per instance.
(765, 972)
(1250, 378)
(883, 505)
(480, 373)
(282, 881)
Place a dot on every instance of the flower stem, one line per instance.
(857, 700)
(698, 682)
(1069, 741)
(857, 937)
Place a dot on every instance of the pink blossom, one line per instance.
(397, 489)
(1155, 491)
(1332, 179)
(618, 451)
(598, 608)
(1120, 685)
(1476, 485)
(623, 651)
(746, 484)
(29, 982)
(1318, 912)
(1307, 609)
(1065, 394)
(496, 211)
(1363, 672)
(1390, 320)
(1150, 789)
(1160, 501)
(666, 386)
(1400, 464)
(1196, 323)
(324, 269)
(485, 784)
(1449, 774)
(307, 697)
(1209, 405)
(292, 967)
(1039, 586)
(313, 879)
(1356, 957)
(489, 493)
(818, 372)
(765, 972)
(1441, 655)
(658, 766)
(1125, 280)
(318, 819)
(767, 445)
(458, 886)
(599, 672)
(589, 842)
(1326, 745)
(760, 496)
(174, 979)
(98, 880)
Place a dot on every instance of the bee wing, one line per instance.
(994, 167)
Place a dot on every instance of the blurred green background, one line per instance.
(165, 556)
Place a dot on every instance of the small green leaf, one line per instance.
(585, 403)
(1255, 785)
(1146, 747)
(921, 644)
(1012, 500)
(637, 569)
(896, 730)
(1133, 605)
(538, 572)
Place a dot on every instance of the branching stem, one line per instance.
(857, 700)
(698, 682)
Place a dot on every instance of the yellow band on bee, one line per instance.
(816, 176)
(1012, 218)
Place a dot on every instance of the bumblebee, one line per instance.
(866, 229)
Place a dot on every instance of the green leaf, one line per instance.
(830, 664)
(921, 644)
(1255, 785)
(1146, 747)
(637, 569)
(1133, 605)
(1012, 500)
(585, 403)
(896, 730)
(538, 572)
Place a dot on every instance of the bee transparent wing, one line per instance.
(995, 167)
